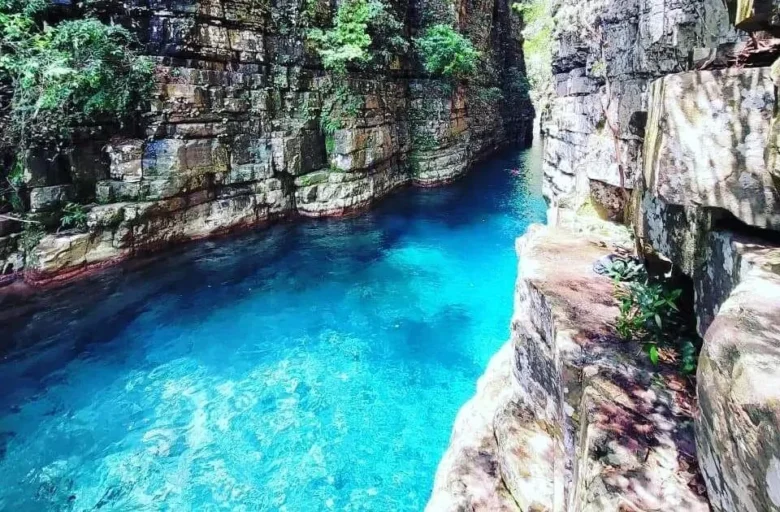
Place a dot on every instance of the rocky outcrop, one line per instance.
(707, 140)
(709, 205)
(246, 127)
(605, 56)
(738, 430)
(573, 418)
(700, 151)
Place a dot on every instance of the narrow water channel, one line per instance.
(312, 365)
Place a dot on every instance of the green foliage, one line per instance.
(339, 103)
(73, 216)
(489, 94)
(444, 51)
(688, 354)
(71, 73)
(517, 81)
(537, 48)
(619, 269)
(330, 143)
(646, 310)
(649, 315)
(329, 125)
(599, 69)
(364, 32)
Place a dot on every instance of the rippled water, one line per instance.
(310, 366)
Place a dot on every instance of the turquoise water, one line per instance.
(316, 365)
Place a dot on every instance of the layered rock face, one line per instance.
(698, 151)
(568, 416)
(605, 56)
(246, 126)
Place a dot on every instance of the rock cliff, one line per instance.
(568, 416)
(665, 118)
(606, 53)
(246, 126)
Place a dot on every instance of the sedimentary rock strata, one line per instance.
(247, 126)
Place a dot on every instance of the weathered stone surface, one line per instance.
(468, 477)
(706, 142)
(50, 198)
(584, 422)
(738, 430)
(605, 55)
(239, 113)
(324, 193)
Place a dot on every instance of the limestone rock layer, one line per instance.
(247, 126)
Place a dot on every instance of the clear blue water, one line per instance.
(316, 365)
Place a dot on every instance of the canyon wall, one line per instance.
(605, 55)
(665, 118)
(246, 126)
(663, 123)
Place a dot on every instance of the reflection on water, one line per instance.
(310, 366)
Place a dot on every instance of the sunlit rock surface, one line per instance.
(605, 55)
(738, 430)
(706, 142)
(235, 134)
(583, 422)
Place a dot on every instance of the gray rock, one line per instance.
(46, 199)
(706, 143)
(738, 385)
(593, 131)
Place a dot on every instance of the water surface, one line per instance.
(314, 365)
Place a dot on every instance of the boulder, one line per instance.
(706, 141)
(738, 385)
(45, 199)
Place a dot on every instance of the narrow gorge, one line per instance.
(258, 255)
(245, 125)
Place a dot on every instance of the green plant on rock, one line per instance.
(689, 355)
(649, 314)
(645, 310)
(444, 51)
(73, 216)
(489, 94)
(72, 73)
(364, 32)
(625, 269)
(330, 143)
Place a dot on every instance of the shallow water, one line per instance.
(311, 366)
